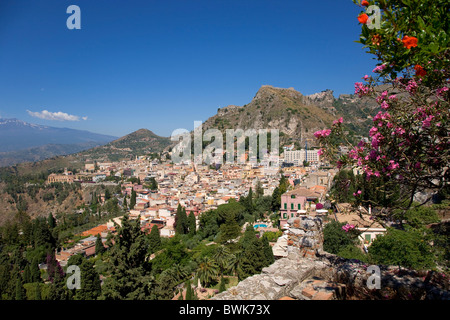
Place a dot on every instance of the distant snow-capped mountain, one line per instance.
(16, 135)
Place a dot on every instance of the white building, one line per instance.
(298, 156)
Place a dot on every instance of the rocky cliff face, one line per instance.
(295, 115)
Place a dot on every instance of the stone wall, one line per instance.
(303, 271)
(328, 277)
(305, 233)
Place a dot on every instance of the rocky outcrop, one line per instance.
(328, 277)
(275, 281)
(304, 271)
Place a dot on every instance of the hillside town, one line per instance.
(197, 188)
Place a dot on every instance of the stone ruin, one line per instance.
(303, 271)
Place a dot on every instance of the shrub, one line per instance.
(407, 248)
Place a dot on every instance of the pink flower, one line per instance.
(384, 105)
(338, 121)
(320, 152)
(361, 89)
(348, 227)
(382, 97)
(427, 122)
(440, 91)
(411, 87)
(393, 165)
(322, 133)
(379, 68)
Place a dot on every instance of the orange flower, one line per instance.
(409, 42)
(376, 39)
(420, 72)
(365, 3)
(362, 18)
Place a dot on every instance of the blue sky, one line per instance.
(163, 64)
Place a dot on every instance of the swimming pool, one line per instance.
(260, 225)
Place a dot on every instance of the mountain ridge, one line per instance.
(19, 135)
(295, 115)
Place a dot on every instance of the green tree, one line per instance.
(99, 247)
(154, 239)
(407, 248)
(34, 271)
(133, 199)
(252, 258)
(130, 279)
(335, 238)
(125, 204)
(247, 202)
(192, 226)
(229, 230)
(107, 194)
(259, 191)
(268, 252)
(276, 200)
(51, 221)
(90, 282)
(223, 258)
(20, 291)
(190, 294)
(181, 223)
(207, 271)
(153, 184)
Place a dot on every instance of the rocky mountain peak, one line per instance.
(320, 97)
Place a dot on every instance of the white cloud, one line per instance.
(57, 116)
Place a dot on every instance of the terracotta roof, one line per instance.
(94, 231)
(301, 191)
(360, 221)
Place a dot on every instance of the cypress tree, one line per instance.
(192, 223)
(128, 257)
(51, 221)
(276, 199)
(34, 271)
(27, 274)
(154, 239)
(268, 252)
(181, 225)
(189, 295)
(99, 247)
(252, 258)
(20, 291)
(125, 204)
(90, 282)
(133, 199)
